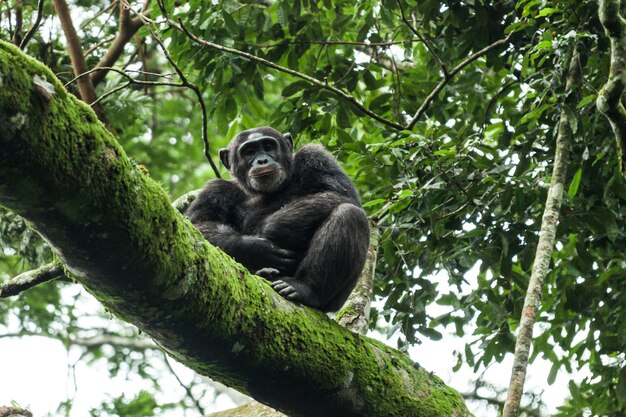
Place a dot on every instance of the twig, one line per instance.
(493, 101)
(183, 385)
(29, 279)
(191, 86)
(33, 29)
(427, 44)
(98, 44)
(84, 24)
(323, 43)
(452, 73)
(125, 74)
(110, 92)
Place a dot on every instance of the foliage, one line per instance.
(462, 190)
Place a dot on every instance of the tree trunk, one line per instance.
(117, 234)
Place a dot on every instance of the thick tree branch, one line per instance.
(545, 245)
(29, 279)
(19, 21)
(609, 100)
(355, 314)
(123, 241)
(85, 87)
(14, 412)
(54, 270)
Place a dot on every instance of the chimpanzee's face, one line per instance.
(260, 159)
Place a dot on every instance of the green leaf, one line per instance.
(405, 194)
(547, 11)
(620, 389)
(586, 100)
(375, 202)
(430, 333)
(380, 101)
(553, 372)
(293, 88)
(573, 186)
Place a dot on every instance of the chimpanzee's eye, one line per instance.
(269, 145)
(247, 151)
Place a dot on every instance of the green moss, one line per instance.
(116, 233)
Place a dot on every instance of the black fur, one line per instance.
(299, 223)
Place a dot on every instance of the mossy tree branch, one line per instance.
(117, 234)
(29, 279)
(609, 100)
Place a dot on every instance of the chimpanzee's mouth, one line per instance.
(263, 172)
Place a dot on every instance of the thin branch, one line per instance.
(98, 45)
(191, 86)
(125, 74)
(323, 43)
(452, 73)
(33, 29)
(85, 87)
(110, 92)
(493, 101)
(138, 344)
(474, 396)
(187, 389)
(111, 6)
(29, 279)
(427, 44)
(547, 233)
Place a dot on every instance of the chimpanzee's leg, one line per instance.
(333, 261)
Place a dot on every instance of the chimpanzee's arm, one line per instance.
(316, 170)
(215, 212)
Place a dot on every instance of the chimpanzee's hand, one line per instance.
(258, 253)
(269, 274)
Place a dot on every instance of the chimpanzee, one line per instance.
(295, 220)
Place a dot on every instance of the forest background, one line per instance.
(445, 113)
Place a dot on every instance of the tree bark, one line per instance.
(85, 87)
(547, 233)
(116, 233)
(609, 100)
(127, 27)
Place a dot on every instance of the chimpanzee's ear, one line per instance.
(224, 153)
(289, 140)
